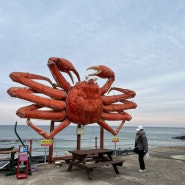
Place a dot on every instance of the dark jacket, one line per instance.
(141, 141)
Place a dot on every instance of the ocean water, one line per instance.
(66, 139)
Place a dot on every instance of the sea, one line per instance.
(67, 139)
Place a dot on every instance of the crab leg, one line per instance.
(32, 111)
(60, 64)
(109, 129)
(59, 128)
(116, 116)
(26, 94)
(119, 107)
(126, 91)
(26, 79)
(116, 98)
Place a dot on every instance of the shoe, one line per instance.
(141, 170)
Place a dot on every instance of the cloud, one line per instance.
(143, 42)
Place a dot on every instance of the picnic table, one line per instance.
(91, 158)
(12, 151)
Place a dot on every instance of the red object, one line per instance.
(83, 103)
(31, 141)
(22, 163)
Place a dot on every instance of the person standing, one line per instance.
(141, 144)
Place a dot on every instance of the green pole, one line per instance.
(30, 157)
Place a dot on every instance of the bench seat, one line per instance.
(88, 167)
(105, 163)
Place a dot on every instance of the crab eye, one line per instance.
(86, 77)
(96, 78)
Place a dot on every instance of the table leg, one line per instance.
(12, 167)
(115, 168)
(12, 161)
(89, 174)
(70, 167)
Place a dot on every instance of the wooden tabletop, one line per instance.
(9, 151)
(91, 151)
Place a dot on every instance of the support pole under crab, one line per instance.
(50, 159)
(101, 137)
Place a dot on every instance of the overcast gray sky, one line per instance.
(142, 41)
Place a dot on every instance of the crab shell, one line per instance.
(83, 103)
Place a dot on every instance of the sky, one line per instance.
(143, 42)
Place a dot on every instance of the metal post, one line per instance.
(101, 137)
(79, 139)
(31, 141)
(45, 156)
(96, 142)
(115, 149)
(50, 159)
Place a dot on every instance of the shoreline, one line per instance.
(161, 168)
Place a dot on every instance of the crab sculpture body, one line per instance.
(84, 103)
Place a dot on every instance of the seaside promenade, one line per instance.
(161, 169)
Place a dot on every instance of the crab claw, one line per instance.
(102, 72)
(64, 66)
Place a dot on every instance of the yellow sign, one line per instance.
(115, 139)
(46, 142)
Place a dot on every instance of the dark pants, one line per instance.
(141, 159)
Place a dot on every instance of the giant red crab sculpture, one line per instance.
(84, 103)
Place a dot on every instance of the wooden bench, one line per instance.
(7, 160)
(6, 151)
(67, 159)
(88, 167)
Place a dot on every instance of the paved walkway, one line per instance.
(160, 170)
